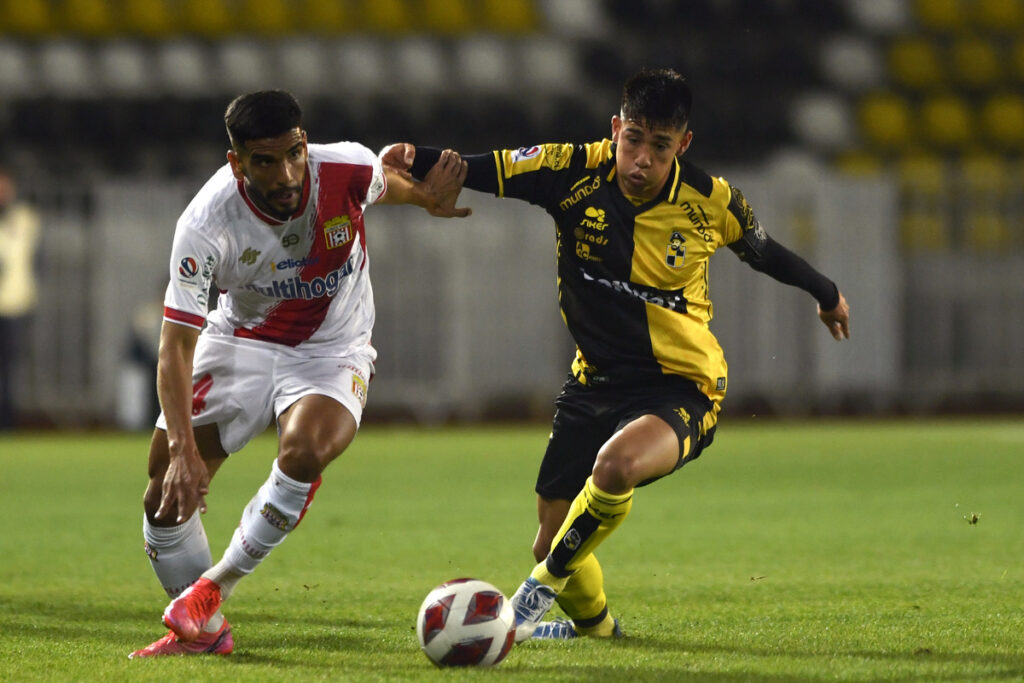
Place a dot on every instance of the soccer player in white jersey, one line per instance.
(279, 231)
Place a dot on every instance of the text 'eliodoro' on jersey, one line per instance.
(303, 281)
(632, 279)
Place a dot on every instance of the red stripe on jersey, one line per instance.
(338, 222)
(267, 218)
(190, 319)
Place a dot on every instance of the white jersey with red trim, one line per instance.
(302, 282)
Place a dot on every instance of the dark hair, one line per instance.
(263, 114)
(657, 98)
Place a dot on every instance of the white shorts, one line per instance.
(242, 384)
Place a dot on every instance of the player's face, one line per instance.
(273, 170)
(644, 155)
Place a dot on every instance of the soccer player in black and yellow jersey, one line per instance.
(636, 225)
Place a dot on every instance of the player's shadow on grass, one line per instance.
(1009, 666)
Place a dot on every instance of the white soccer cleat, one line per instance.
(530, 603)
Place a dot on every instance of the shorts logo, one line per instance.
(684, 415)
(572, 539)
(199, 391)
(359, 389)
(524, 153)
(150, 551)
(675, 254)
(274, 517)
(188, 267)
(249, 256)
(338, 231)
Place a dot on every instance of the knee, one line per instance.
(615, 470)
(303, 458)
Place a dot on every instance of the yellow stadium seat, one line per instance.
(987, 230)
(385, 16)
(1016, 61)
(915, 62)
(1002, 120)
(265, 17)
(326, 17)
(947, 122)
(858, 163)
(975, 62)
(510, 16)
(924, 186)
(985, 175)
(941, 15)
(998, 15)
(87, 18)
(148, 19)
(885, 121)
(28, 18)
(446, 17)
(207, 18)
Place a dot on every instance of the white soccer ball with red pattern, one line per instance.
(466, 622)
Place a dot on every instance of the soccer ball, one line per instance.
(465, 622)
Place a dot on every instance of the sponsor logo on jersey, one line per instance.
(581, 190)
(583, 252)
(338, 231)
(188, 268)
(556, 157)
(673, 300)
(249, 256)
(675, 253)
(289, 263)
(296, 288)
(524, 153)
(594, 218)
(274, 517)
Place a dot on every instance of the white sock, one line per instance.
(275, 510)
(179, 554)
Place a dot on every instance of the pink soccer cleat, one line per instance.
(219, 643)
(189, 612)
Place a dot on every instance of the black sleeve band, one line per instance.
(786, 267)
(481, 174)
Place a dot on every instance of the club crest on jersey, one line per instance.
(338, 231)
(675, 253)
(524, 153)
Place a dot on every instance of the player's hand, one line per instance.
(444, 182)
(399, 157)
(838, 319)
(186, 484)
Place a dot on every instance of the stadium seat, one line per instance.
(947, 122)
(573, 19)
(148, 19)
(941, 15)
(822, 120)
(65, 68)
(420, 65)
(28, 18)
(360, 65)
(975, 63)
(914, 62)
(885, 121)
(1002, 121)
(510, 17)
(987, 185)
(207, 18)
(267, 18)
(851, 62)
(244, 66)
(183, 68)
(998, 16)
(549, 65)
(858, 163)
(124, 68)
(87, 18)
(302, 62)
(880, 17)
(387, 17)
(325, 17)
(925, 217)
(481, 62)
(1017, 60)
(446, 17)
(17, 72)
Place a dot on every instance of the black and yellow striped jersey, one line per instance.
(632, 278)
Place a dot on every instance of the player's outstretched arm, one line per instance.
(187, 480)
(437, 192)
(837, 320)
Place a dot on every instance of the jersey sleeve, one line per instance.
(378, 182)
(535, 174)
(356, 154)
(193, 261)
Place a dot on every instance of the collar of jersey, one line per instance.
(267, 218)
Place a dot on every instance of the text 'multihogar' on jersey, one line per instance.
(632, 279)
(298, 282)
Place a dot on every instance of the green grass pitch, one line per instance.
(851, 551)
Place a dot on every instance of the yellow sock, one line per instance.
(584, 601)
(592, 517)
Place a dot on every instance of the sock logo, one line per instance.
(274, 517)
(572, 539)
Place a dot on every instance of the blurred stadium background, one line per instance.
(882, 139)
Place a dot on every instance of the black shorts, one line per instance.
(586, 417)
